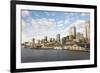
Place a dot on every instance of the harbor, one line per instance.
(48, 55)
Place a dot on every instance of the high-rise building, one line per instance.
(51, 40)
(39, 42)
(79, 35)
(63, 40)
(58, 38)
(33, 42)
(73, 32)
(87, 30)
(45, 38)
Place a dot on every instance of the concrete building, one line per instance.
(63, 40)
(33, 42)
(79, 35)
(46, 39)
(73, 32)
(58, 38)
(87, 30)
(39, 42)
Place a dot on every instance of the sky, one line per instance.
(38, 24)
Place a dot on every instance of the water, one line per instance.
(44, 55)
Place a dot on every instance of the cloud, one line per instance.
(67, 21)
(50, 13)
(42, 23)
(24, 24)
(25, 37)
(52, 20)
(60, 22)
(60, 25)
(85, 14)
(37, 28)
(25, 13)
(47, 13)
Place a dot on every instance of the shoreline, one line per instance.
(58, 49)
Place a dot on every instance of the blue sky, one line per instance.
(38, 24)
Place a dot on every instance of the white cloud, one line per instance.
(24, 24)
(66, 21)
(52, 20)
(84, 14)
(42, 23)
(47, 13)
(25, 13)
(60, 22)
(50, 13)
(25, 37)
(37, 29)
(60, 25)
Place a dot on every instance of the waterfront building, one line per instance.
(79, 35)
(23, 45)
(51, 40)
(67, 37)
(63, 40)
(27, 44)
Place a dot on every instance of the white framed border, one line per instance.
(20, 65)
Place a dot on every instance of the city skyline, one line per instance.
(38, 24)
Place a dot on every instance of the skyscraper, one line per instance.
(39, 42)
(45, 38)
(58, 38)
(73, 31)
(33, 42)
(87, 30)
